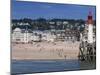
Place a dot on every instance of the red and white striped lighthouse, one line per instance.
(90, 28)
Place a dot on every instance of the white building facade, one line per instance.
(20, 36)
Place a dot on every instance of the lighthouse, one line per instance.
(90, 28)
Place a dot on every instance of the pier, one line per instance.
(87, 52)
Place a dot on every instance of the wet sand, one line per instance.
(45, 51)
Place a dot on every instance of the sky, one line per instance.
(34, 10)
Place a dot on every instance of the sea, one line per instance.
(42, 66)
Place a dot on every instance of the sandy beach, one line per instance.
(45, 51)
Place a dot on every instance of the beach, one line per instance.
(42, 57)
(45, 51)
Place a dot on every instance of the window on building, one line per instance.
(17, 39)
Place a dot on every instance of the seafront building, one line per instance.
(21, 35)
(28, 36)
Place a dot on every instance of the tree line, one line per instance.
(44, 24)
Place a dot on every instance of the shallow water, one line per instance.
(35, 66)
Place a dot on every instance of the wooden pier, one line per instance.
(87, 52)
